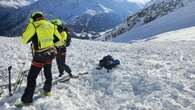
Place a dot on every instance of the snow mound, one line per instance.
(152, 76)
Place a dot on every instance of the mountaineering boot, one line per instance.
(61, 74)
(69, 71)
(70, 75)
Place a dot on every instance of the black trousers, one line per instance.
(31, 82)
(61, 60)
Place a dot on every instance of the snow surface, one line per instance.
(153, 75)
(181, 18)
(186, 34)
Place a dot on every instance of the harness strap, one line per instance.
(40, 64)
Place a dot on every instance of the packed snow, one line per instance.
(153, 75)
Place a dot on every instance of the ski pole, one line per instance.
(1, 92)
(22, 78)
(10, 85)
(19, 78)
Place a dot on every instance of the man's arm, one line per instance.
(58, 37)
(62, 32)
(64, 36)
(28, 34)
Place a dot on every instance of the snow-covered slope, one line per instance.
(81, 15)
(153, 75)
(181, 18)
(186, 34)
(158, 17)
(15, 3)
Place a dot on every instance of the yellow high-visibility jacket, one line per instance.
(64, 35)
(41, 33)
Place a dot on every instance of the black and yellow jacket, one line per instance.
(42, 33)
(64, 35)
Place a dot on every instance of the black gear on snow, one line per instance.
(108, 62)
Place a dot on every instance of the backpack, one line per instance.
(61, 26)
(108, 62)
(65, 28)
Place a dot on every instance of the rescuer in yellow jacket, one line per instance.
(61, 48)
(43, 35)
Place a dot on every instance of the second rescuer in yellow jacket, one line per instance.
(61, 42)
(61, 48)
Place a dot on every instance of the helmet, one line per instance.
(36, 15)
(56, 22)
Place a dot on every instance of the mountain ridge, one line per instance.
(149, 14)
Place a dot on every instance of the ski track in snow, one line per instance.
(153, 75)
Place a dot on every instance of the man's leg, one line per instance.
(61, 62)
(31, 84)
(60, 59)
(67, 69)
(48, 77)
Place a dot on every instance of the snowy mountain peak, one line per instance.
(91, 12)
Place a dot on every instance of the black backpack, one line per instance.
(66, 29)
(62, 28)
(108, 62)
